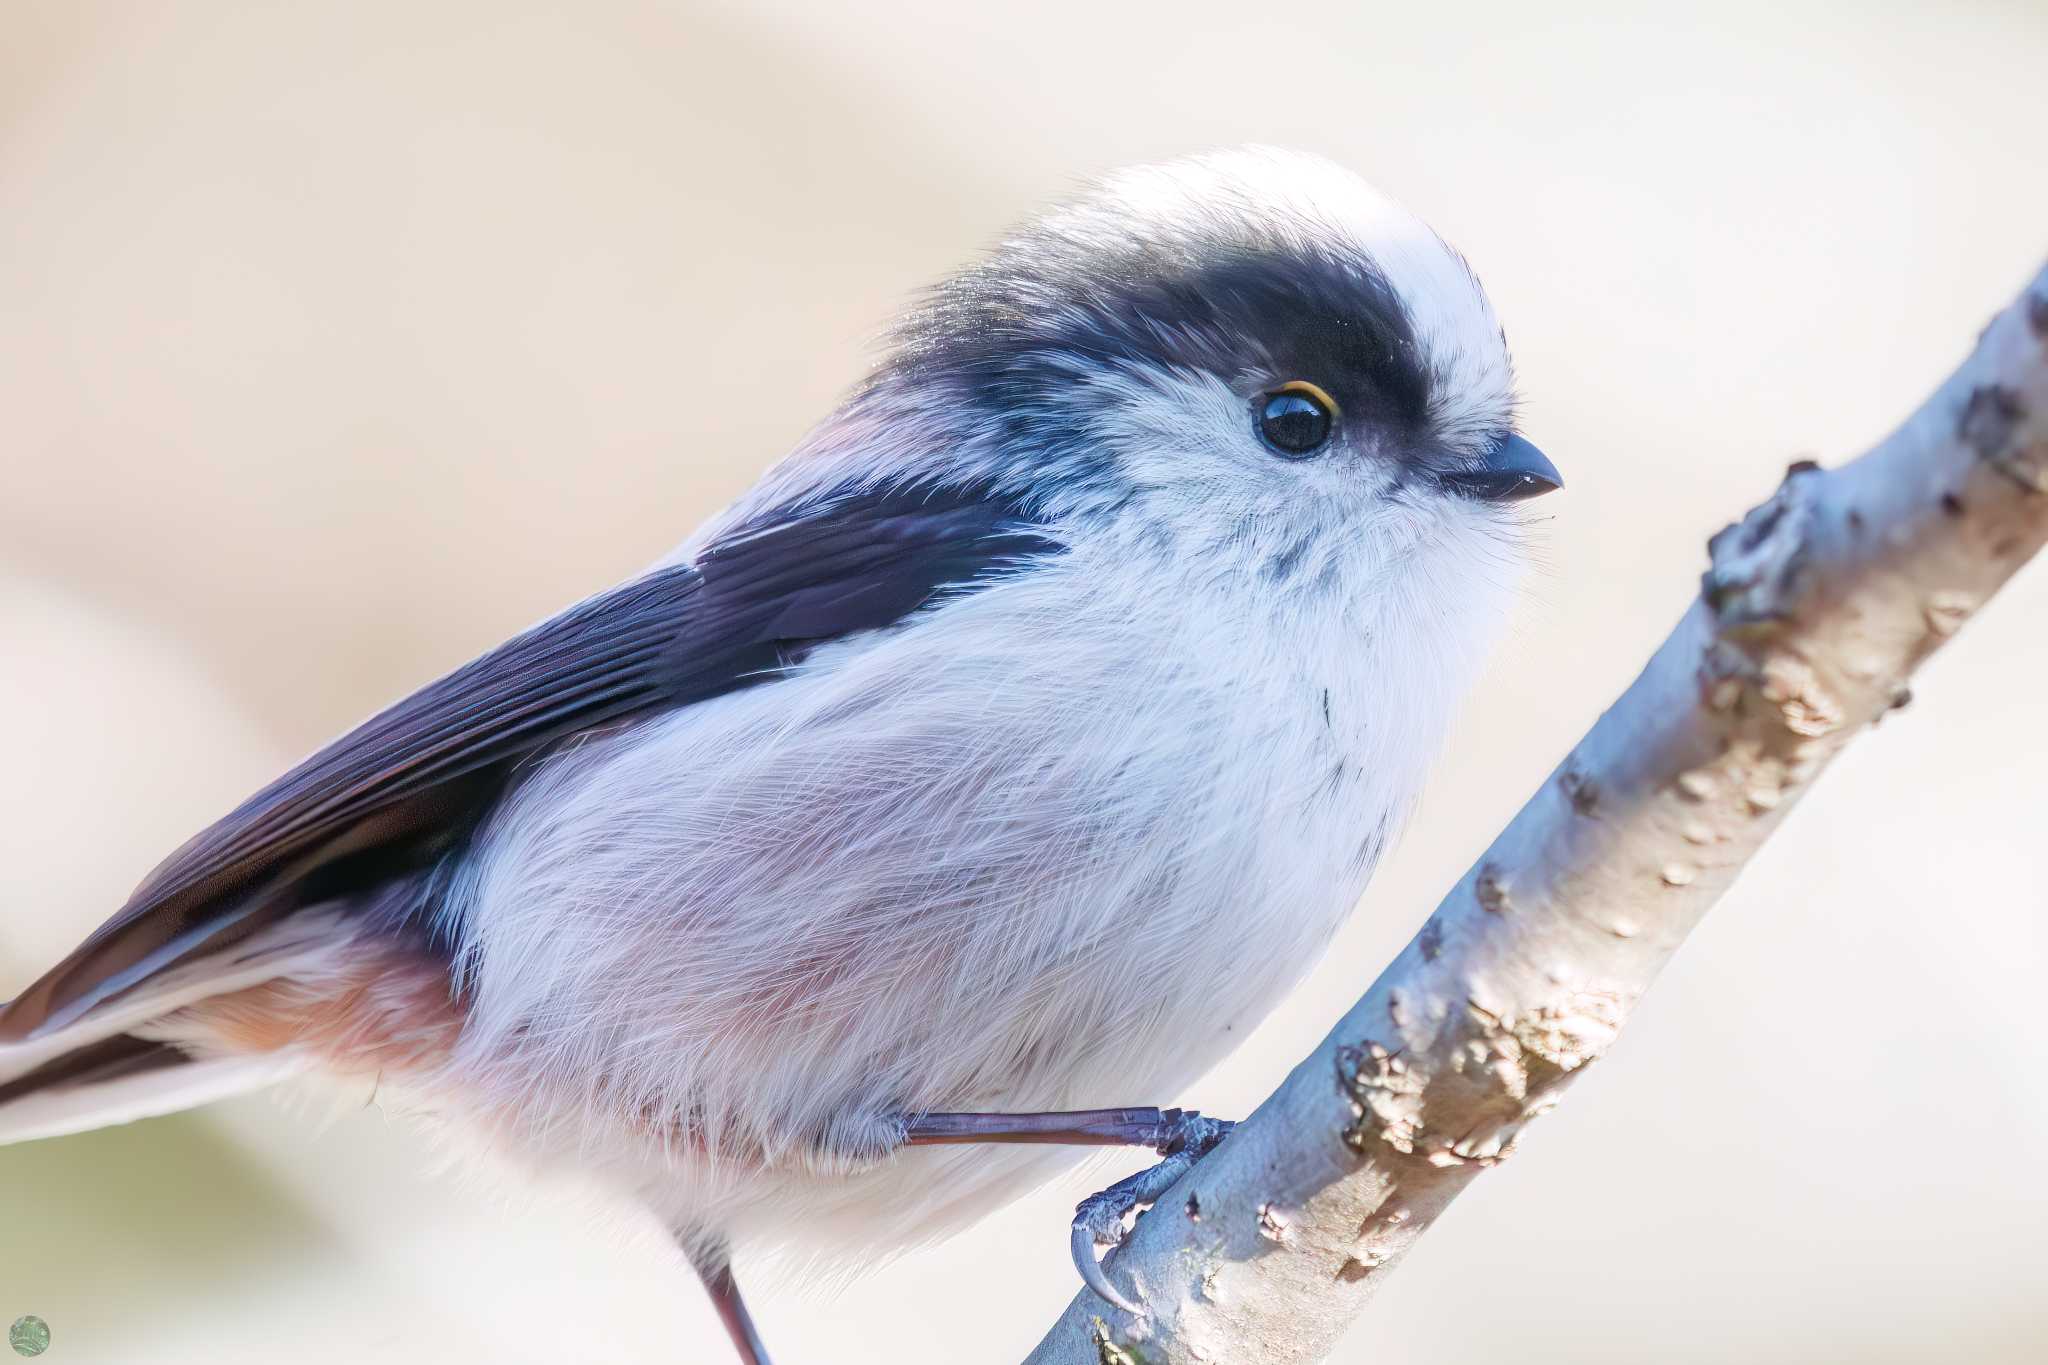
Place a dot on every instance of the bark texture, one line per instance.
(1815, 611)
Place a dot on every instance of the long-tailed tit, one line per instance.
(1008, 750)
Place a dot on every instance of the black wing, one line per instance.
(400, 790)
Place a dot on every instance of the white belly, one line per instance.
(931, 871)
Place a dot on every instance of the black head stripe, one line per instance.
(1046, 306)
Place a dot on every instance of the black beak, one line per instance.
(1513, 470)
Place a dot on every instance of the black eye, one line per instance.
(1296, 419)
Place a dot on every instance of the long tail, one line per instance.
(122, 1078)
(113, 1065)
(319, 990)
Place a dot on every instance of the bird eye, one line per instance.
(1296, 419)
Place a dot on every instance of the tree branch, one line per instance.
(1815, 611)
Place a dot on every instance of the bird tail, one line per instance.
(113, 1064)
(118, 1079)
(323, 989)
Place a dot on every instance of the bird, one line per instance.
(973, 781)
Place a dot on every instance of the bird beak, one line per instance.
(1513, 470)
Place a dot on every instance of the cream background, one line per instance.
(338, 340)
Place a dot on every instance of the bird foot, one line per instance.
(1099, 1223)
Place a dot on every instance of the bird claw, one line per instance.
(1099, 1226)
(1099, 1219)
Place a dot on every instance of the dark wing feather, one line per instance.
(399, 791)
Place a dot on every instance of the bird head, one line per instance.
(1235, 349)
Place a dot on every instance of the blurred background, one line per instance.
(340, 339)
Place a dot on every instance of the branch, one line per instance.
(1815, 611)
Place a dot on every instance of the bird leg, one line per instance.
(1180, 1136)
(714, 1268)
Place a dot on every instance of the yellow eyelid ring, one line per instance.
(1313, 391)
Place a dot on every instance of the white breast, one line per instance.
(1056, 844)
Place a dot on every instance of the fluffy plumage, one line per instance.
(1055, 832)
